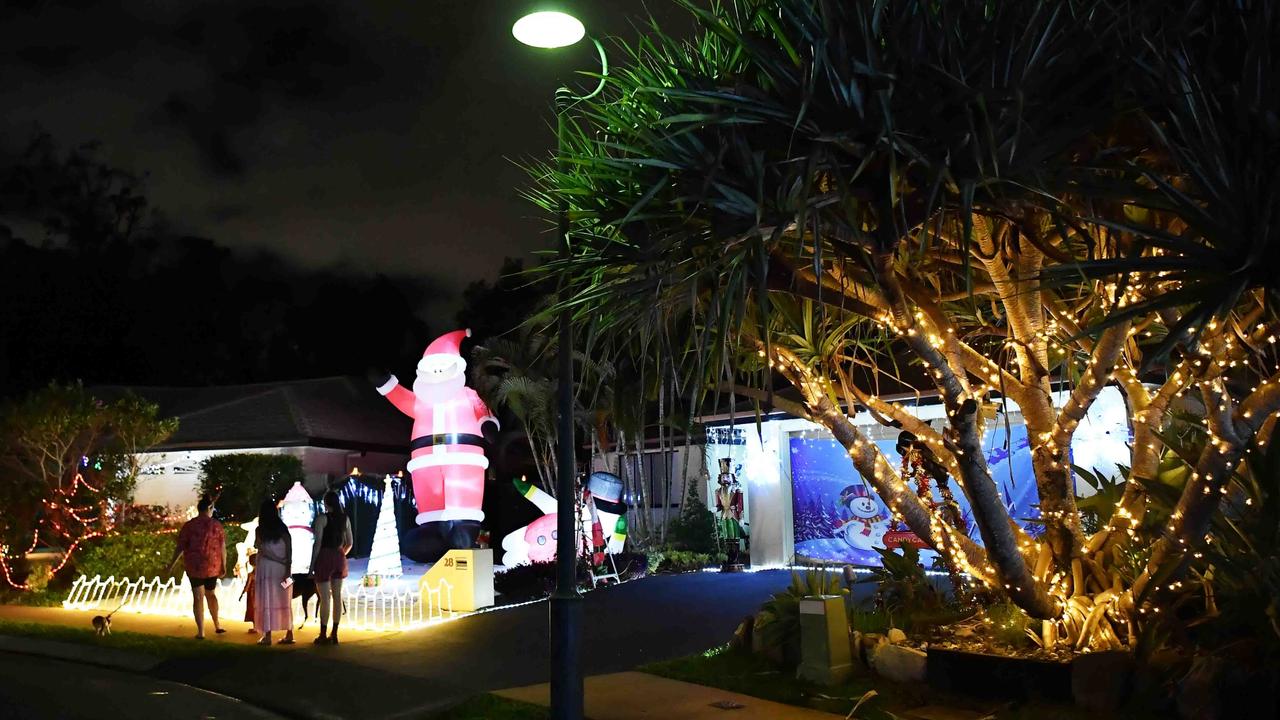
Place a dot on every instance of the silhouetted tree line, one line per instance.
(95, 286)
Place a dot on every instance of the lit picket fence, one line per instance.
(395, 606)
(151, 596)
(391, 606)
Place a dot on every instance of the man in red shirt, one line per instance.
(202, 544)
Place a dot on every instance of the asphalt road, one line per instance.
(409, 674)
(35, 687)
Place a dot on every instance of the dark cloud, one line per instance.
(379, 136)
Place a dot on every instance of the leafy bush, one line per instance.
(525, 582)
(779, 621)
(1097, 508)
(243, 480)
(680, 561)
(148, 517)
(143, 553)
(631, 564)
(1008, 624)
(902, 588)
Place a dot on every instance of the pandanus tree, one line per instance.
(987, 202)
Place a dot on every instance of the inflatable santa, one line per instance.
(447, 462)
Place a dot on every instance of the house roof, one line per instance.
(334, 412)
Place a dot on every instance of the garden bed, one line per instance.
(752, 675)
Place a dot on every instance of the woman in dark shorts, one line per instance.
(332, 531)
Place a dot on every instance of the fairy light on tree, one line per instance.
(827, 269)
(71, 462)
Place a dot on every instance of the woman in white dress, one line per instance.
(272, 582)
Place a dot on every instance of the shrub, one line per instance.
(243, 480)
(902, 588)
(631, 564)
(524, 582)
(142, 553)
(695, 529)
(680, 561)
(779, 626)
(145, 553)
(1008, 624)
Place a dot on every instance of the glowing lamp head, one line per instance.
(548, 29)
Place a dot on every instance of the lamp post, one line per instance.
(555, 30)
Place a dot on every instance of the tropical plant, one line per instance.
(819, 204)
(902, 588)
(518, 372)
(1096, 508)
(778, 623)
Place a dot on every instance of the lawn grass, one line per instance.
(156, 646)
(752, 675)
(492, 707)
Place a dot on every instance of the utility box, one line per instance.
(461, 581)
(824, 640)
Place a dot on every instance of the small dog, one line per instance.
(102, 624)
(304, 586)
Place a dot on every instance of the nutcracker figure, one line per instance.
(729, 510)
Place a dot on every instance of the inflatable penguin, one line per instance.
(447, 461)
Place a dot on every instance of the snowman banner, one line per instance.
(837, 516)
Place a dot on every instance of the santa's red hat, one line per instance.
(444, 351)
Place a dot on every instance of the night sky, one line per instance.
(375, 135)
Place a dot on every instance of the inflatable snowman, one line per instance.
(297, 510)
(865, 524)
(447, 461)
(535, 542)
(604, 501)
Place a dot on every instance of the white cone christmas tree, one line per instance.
(384, 559)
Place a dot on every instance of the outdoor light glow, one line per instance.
(548, 29)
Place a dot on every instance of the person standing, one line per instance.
(273, 595)
(329, 563)
(202, 545)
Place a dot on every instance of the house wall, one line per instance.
(171, 478)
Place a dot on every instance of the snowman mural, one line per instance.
(863, 524)
(297, 510)
(447, 461)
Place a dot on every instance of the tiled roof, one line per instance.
(337, 412)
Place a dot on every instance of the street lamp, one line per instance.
(554, 30)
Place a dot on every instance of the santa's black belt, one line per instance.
(449, 439)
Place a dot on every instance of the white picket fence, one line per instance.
(395, 605)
